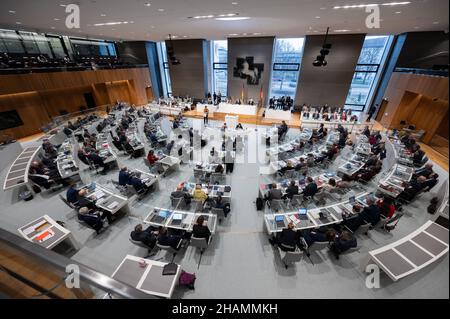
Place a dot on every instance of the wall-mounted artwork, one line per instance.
(246, 69)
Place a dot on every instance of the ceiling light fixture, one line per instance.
(56, 19)
(18, 22)
(342, 30)
(233, 34)
(358, 6)
(12, 11)
(398, 12)
(436, 22)
(112, 23)
(161, 10)
(103, 15)
(232, 18)
(147, 4)
(235, 3)
(395, 3)
(317, 17)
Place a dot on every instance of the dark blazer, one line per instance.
(371, 214)
(275, 194)
(145, 237)
(310, 189)
(72, 195)
(292, 190)
(169, 240)
(124, 178)
(288, 237)
(201, 231)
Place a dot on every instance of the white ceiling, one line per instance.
(282, 18)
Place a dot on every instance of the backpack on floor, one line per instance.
(259, 203)
(187, 279)
(26, 196)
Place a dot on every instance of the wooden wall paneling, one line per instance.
(428, 115)
(68, 99)
(100, 93)
(29, 106)
(16, 83)
(406, 108)
(149, 94)
(443, 128)
(118, 91)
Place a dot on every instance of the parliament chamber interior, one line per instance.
(216, 149)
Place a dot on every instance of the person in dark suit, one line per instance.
(72, 194)
(310, 189)
(218, 203)
(413, 188)
(343, 242)
(291, 190)
(274, 193)
(148, 236)
(94, 218)
(124, 176)
(371, 213)
(431, 182)
(98, 160)
(200, 229)
(426, 171)
(287, 239)
(166, 239)
(83, 201)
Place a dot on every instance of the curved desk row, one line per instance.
(18, 172)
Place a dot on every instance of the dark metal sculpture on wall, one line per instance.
(246, 69)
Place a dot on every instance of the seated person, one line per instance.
(199, 194)
(200, 229)
(330, 186)
(166, 239)
(310, 161)
(413, 188)
(124, 176)
(82, 156)
(288, 167)
(67, 131)
(431, 182)
(343, 242)
(180, 193)
(117, 143)
(98, 160)
(316, 235)
(287, 239)
(425, 171)
(311, 188)
(291, 190)
(83, 201)
(138, 184)
(274, 193)
(239, 126)
(387, 207)
(301, 164)
(94, 218)
(219, 169)
(72, 194)
(148, 236)
(151, 157)
(218, 203)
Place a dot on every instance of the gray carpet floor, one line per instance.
(240, 262)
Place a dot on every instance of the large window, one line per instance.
(220, 66)
(82, 47)
(368, 69)
(164, 68)
(286, 67)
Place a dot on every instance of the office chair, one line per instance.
(178, 202)
(142, 245)
(200, 243)
(218, 212)
(170, 249)
(275, 205)
(290, 257)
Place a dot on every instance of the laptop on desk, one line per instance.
(177, 219)
(279, 220)
(303, 214)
